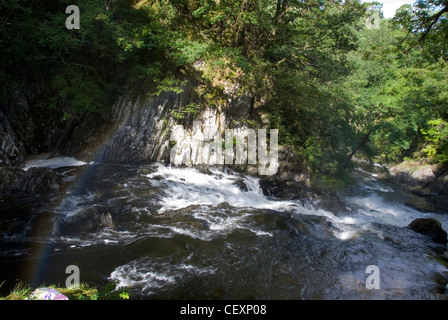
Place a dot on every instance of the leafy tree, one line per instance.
(333, 87)
(436, 146)
(427, 22)
(398, 89)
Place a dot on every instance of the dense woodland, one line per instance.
(335, 88)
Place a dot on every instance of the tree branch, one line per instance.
(434, 18)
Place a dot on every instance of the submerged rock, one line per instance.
(241, 185)
(431, 228)
(331, 202)
(90, 220)
(9, 177)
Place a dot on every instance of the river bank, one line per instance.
(428, 182)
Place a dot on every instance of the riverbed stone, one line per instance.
(431, 228)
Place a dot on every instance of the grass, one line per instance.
(20, 292)
(82, 292)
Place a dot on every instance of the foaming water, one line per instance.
(42, 160)
(186, 233)
(373, 201)
(184, 187)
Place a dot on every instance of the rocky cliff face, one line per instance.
(140, 129)
(12, 151)
(27, 126)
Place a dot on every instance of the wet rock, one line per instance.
(291, 181)
(285, 190)
(144, 171)
(431, 228)
(9, 177)
(241, 185)
(12, 151)
(331, 202)
(9, 152)
(419, 177)
(428, 203)
(39, 180)
(158, 177)
(90, 220)
(34, 182)
(137, 132)
(412, 173)
(41, 224)
(204, 169)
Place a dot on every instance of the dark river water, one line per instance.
(175, 233)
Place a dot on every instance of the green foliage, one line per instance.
(437, 140)
(331, 86)
(82, 292)
(396, 90)
(85, 67)
(183, 112)
(112, 292)
(250, 123)
(169, 84)
(428, 24)
(20, 292)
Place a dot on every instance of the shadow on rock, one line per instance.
(431, 228)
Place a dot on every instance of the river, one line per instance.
(185, 233)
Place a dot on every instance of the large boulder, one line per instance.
(431, 228)
(285, 190)
(420, 176)
(291, 181)
(9, 177)
(39, 180)
(34, 182)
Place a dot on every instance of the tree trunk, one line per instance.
(282, 5)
